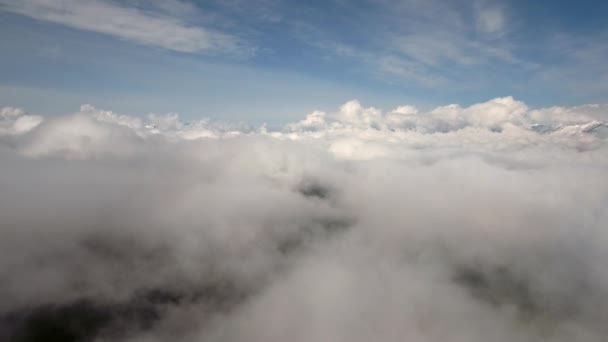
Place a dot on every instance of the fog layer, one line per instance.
(484, 223)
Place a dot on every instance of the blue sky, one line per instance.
(274, 61)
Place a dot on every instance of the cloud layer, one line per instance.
(480, 223)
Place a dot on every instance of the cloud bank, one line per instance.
(480, 223)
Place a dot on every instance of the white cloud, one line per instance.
(350, 130)
(163, 28)
(353, 225)
(16, 121)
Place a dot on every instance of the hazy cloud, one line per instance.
(479, 223)
(490, 18)
(164, 27)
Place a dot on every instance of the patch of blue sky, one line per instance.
(273, 60)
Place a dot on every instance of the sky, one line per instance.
(273, 61)
(306, 171)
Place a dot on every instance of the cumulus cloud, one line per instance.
(479, 223)
(16, 121)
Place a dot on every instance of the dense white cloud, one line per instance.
(479, 223)
(163, 28)
(16, 121)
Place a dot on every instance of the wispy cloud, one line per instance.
(425, 43)
(441, 35)
(490, 19)
(164, 27)
(580, 63)
(264, 10)
(409, 70)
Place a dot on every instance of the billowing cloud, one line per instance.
(479, 223)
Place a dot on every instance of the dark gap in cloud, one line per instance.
(322, 230)
(77, 321)
(314, 188)
(123, 249)
(87, 319)
(497, 286)
(500, 286)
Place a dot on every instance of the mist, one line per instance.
(479, 223)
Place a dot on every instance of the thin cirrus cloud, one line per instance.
(490, 20)
(165, 29)
(431, 44)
